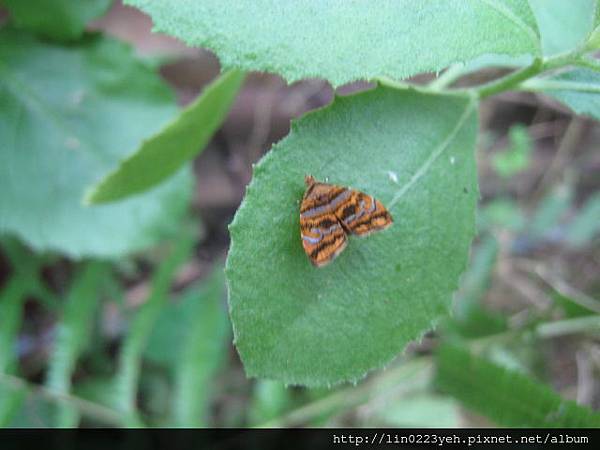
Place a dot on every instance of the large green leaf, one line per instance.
(57, 19)
(164, 153)
(509, 398)
(563, 25)
(343, 41)
(68, 115)
(594, 37)
(315, 326)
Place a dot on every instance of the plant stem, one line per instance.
(542, 84)
(589, 63)
(509, 81)
(450, 75)
(89, 409)
(570, 326)
(538, 66)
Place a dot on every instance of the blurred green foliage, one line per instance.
(518, 155)
(508, 397)
(77, 348)
(63, 20)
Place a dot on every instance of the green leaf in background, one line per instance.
(72, 335)
(509, 398)
(579, 89)
(517, 156)
(316, 326)
(164, 153)
(56, 19)
(345, 41)
(586, 224)
(203, 350)
(563, 25)
(594, 37)
(68, 115)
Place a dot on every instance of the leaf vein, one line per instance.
(435, 154)
(515, 19)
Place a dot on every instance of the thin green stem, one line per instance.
(589, 324)
(449, 76)
(542, 84)
(588, 63)
(561, 60)
(521, 76)
(519, 79)
(100, 413)
(510, 81)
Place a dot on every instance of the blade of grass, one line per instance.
(71, 336)
(11, 301)
(131, 352)
(578, 325)
(203, 352)
(28, 265)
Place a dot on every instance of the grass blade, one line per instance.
(202, 353)
(11, 300)
(71, 336)
(131, 353)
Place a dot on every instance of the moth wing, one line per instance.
(323, 236)
(323, 245)
(363, 215)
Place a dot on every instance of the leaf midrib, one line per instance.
(435, 154)
(516, 20)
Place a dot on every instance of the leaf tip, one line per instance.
(90, 196)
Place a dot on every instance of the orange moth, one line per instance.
(329, 213)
